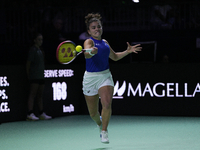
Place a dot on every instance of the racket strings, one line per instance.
(66, 52)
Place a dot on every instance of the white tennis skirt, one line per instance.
(93, 81)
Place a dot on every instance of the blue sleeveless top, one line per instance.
(100, 61)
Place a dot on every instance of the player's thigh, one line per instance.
(92, 104)
(106, 94)
(33, 89)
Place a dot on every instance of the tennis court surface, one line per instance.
(79, 132)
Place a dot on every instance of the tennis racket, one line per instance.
(66, 52)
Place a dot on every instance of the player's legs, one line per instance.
(40, 96)
(106, 93)
(32, 95)
(93, 106)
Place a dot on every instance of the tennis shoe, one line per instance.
(32, 117)
(104, 137)
(44, 116)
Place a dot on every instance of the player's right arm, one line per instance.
(88, 44)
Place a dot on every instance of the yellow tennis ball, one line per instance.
(79, 48)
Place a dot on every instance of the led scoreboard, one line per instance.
(4, 103)
(139, 89)
(156, 89)
(63, 91)
(13, 93)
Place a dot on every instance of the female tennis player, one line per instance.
(97, 79)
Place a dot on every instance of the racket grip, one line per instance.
(87, 50)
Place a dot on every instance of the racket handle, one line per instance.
(87, 50)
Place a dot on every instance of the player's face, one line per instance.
(95, 30)
(38, 41)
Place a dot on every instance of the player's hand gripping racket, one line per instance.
(67, 51)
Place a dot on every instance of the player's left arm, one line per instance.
(115, 56)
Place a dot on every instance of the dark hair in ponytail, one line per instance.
(92, 17)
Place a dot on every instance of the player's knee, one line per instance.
(106, 105)
(39, 95)
(33, 95)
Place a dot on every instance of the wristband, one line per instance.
(91, 53)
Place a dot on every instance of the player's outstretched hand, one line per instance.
(133, 49)
(95, 50)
